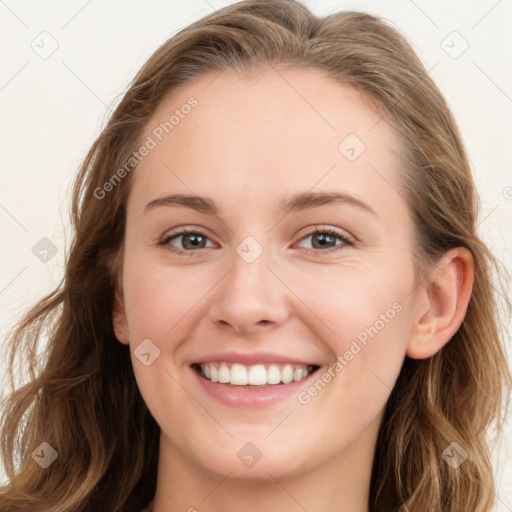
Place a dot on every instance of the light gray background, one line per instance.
(53, 107)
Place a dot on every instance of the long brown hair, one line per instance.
(80, 395)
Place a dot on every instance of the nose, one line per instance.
(250, 298)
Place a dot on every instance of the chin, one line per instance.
(258, 460)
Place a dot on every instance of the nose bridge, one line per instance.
(250, 270)
(249, 295)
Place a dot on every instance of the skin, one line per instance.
(252, 142)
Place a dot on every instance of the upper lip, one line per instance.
(252, 358)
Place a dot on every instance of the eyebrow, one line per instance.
(298, 202)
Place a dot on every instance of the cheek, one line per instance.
(370, 318)
(160, 306)
(365, 312)
(350, 298)
(159, 298)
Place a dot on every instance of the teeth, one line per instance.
(257, 375)
(273, 374)
(238, 374)
(299, 374)
(224, 374)
(287, 374)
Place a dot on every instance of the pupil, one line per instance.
(323, 239)
(192, 241)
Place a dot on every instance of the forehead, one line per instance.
(267, 131)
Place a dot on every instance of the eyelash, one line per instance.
(345, 241)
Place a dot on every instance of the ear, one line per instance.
(442, 302)
(119, 319)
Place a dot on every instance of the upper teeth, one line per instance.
(255, 375)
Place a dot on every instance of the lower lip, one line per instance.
(241, 396)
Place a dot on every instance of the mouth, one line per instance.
(255, 375)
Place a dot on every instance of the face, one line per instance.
(267, 272)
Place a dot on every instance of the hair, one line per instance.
(80, 394)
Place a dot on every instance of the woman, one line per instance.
(276, 297)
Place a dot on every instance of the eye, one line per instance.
(189, 241)
(324, 239)
(185, 241)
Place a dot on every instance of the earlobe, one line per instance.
(442, 302)
(119, 320)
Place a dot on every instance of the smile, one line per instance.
(257, 375)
